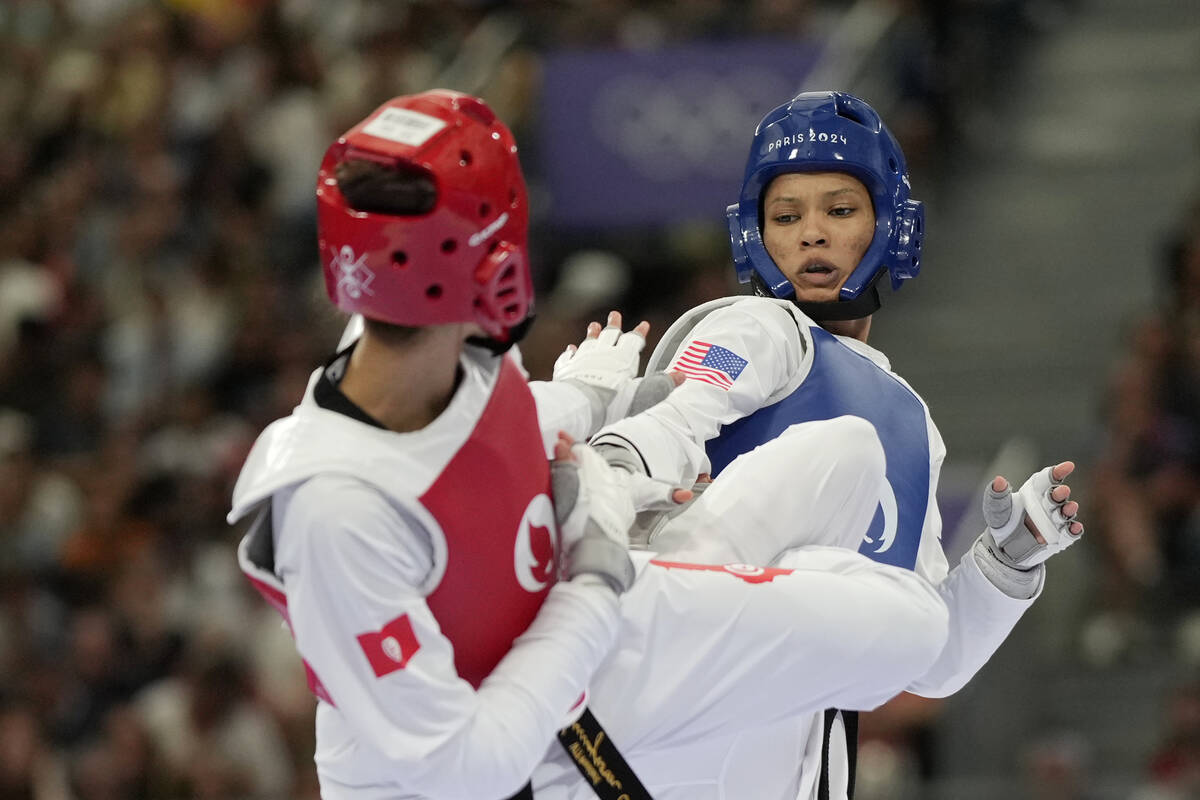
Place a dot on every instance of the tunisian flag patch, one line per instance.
(390, 648)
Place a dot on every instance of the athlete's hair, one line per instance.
(400, 190)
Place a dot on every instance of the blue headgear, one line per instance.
(830, 132)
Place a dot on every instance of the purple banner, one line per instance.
(659, 136)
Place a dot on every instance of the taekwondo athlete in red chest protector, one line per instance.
(456, 598)
(405, 527)
(824, 213)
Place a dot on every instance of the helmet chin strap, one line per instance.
(515, 334)
(866, 304)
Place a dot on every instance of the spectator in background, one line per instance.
(897, 747)
(93, 676)
(1148, 478)
(1173, 770)
(118, 762)
(1059, 767)
(39, 507)
(216, 740)
(29, 768)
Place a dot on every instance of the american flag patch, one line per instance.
(710, 363)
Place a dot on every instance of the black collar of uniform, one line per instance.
(329, 396)
(866, 304)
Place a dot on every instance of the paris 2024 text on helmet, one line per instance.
(463, 257)
(830, 132)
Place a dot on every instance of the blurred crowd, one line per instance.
(1148, 481)
(1146, 501)
(160, 304)
(1149, 478)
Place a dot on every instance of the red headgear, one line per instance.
(466, 259)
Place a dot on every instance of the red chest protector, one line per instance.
(492, 502)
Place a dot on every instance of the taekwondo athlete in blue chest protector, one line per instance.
(824, 214)
(835, 133)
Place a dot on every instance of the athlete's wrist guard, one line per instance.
(633, 397)
(599, 401)
(594, 513)
(638, 395)
(597, 554)
(1016, 582)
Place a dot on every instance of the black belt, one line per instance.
(850, 722)
(611, 777)
(598, 761)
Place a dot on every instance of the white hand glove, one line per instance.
(594, 514)
(647, 494)
(606, 360)
(1013, 519)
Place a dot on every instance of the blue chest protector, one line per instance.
(844, 382)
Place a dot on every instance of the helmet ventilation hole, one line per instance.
(892, 165)
(434, 292)
(484, 210)
(464, 158)
(449, 246)
(848, 111)
(399, 259)
(512, 198)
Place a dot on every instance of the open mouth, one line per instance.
(819, 273)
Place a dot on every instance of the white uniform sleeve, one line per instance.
(981, 616)
(561, 407)
(670, 436)
(351, 564)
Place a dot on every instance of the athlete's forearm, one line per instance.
(529, 696)
(981, 618)
(562, 406)
(762, 351)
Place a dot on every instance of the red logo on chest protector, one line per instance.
(390, 648)
(747, 572)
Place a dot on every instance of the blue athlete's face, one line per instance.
(816, 227)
